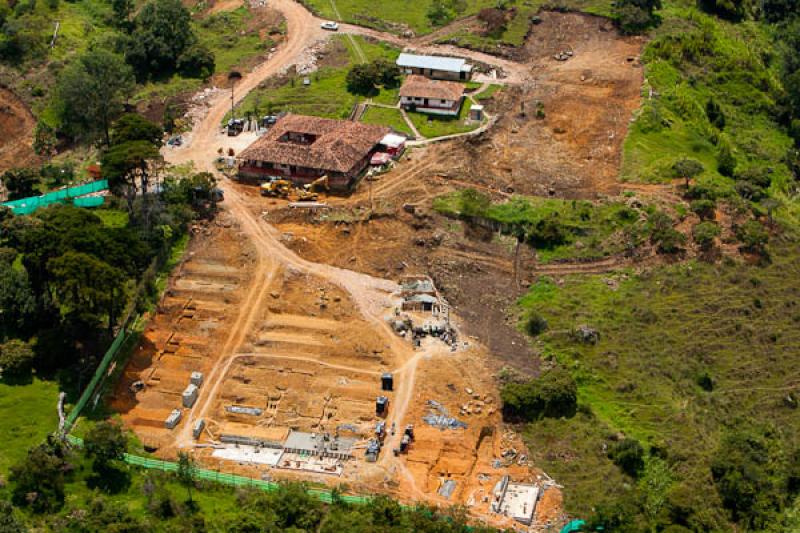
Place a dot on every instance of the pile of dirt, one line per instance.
(17, 125)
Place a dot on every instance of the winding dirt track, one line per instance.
(370, 294)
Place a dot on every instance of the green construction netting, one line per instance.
(26, 206)
(221, 477)
(89, 201)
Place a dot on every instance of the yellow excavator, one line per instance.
(309, 192)
(277, 188)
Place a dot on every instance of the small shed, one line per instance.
(476, 112)
(420, 302)
(393, 144)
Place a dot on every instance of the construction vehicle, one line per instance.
(318, 185)
(304, 195)
(309, 191)
(277, 188)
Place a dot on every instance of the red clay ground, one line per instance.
(17, 125)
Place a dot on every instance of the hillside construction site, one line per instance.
(358, 341)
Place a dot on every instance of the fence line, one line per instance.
(109, 356)
(235, 480)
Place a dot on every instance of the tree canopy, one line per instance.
(90, 94)
(163, 41)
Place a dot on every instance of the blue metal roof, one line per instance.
(449, 64)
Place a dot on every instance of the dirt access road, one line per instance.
(418, 477)
(368, 292)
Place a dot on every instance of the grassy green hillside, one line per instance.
(685, 354)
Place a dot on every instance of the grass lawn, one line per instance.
(660, 331)
(387, 96)
(27, 415)
(387, 117)
(388, 15)
(488, 93)
(327, 95)
(437, 126)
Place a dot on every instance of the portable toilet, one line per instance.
(387, 381)
(189, 395)
(197, 429)
(476, 112)
(196, 378)
(381, 405)
(173, 419)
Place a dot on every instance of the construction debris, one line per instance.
(440, 418)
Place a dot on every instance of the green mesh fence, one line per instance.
(98, 375)
(26, 206)
(220, 477)
(89, 201)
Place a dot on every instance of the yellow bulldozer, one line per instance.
(277, 188)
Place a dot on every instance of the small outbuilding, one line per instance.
(435, 67)
(476, 112)
(393, 144)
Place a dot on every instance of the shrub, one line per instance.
(635, 16)
(663, 235)
(703, 208)
(628, 455)
(714, 113)
(16, 357)
(196, 62)
(553, 394)
(734, 10)
(38, 480)
(726, 161)
(742, 471)
(704, 234)
(753, 236)
(535, 324)
(494, 18)
(546, 233)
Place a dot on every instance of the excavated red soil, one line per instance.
(17, 126)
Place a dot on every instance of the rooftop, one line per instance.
(421, 87)
(313, 142)
(449, 64)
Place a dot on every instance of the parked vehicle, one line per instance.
(330, 26)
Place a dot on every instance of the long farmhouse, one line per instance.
(303, 148)
(418, 93)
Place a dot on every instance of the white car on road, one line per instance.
(329, 25)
